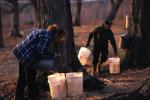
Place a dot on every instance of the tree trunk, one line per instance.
(115, 6)
(59, 12)
(1, 29)
(77, 21)
(15, 30)
(138, 54)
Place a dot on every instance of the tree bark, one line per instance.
(59, 12)
(77, 21)
(1, 29)
(138, 54)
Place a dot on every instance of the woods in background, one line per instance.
(138, 25)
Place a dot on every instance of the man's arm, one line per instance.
(91, 36)
(113, 42)
(43, 46)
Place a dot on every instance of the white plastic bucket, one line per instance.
(83, 55)
(114, 65)
(57, 85)
(75, 83)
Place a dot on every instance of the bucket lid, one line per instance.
(74, 74)
(57, 76)
(114, 59)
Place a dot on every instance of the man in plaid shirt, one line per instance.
(34, 47)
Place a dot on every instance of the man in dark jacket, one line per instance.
(101, 35)
(34, 47)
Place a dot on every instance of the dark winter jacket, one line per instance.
(101, 37)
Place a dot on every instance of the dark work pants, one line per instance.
(97, 59)
(27, 77)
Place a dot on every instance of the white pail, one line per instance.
(114, 65)
(83, 55)
(75, 83)
(57, 85)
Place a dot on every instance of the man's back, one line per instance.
(28, 50)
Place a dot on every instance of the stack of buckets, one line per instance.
(65, 84)
(114, 65)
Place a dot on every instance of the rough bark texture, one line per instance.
(59, 12)
(1, 31)
(138, 53)
(77, 21)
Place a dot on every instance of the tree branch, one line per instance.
(20, 9)
(114, 10)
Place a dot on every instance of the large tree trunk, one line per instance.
(59, 12)
(115, 6)
(138, 54)
(1, 31)
(77, 21)
(15, 30)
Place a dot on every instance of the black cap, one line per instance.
(108, 22)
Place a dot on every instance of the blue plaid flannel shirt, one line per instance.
(36, 45)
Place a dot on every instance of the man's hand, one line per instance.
(57, 55)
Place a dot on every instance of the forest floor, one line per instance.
(120, 84)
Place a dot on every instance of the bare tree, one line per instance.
(9, 5)
(1, 31)
(14, 7)
(77, 21)
(138, 53)
(15, 29)
(115, 6)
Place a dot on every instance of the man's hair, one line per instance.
(55, 29)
